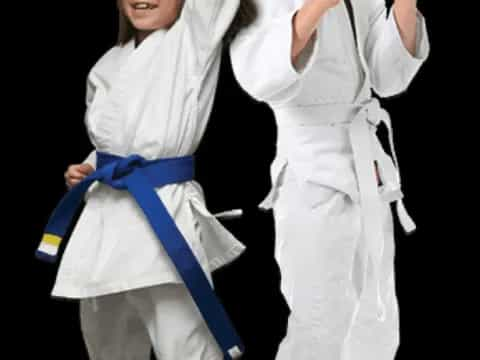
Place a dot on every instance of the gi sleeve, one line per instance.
(208, 21)
(91, 159)
(261, 55)
(392, 67)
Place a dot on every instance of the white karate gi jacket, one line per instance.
(331, 82)
(153, 100)
(316, 102)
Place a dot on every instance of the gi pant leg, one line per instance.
(112, 329)
(371, 338)
(124, 326)
(319, 254)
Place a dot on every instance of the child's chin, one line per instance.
(146, 25)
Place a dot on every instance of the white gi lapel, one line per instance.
(359, 8)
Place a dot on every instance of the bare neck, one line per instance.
(141, 35)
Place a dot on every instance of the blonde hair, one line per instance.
(246, 14)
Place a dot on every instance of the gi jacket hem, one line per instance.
(220, 245)
(213, 245)
(280, 165)
(313, 192)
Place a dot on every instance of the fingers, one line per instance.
(85, 168)
(76, 173)
(72, 182)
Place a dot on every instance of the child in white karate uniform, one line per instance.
(151, 94)
(315, 62)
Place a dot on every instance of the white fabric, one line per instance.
(326, 119)
(153, 100)
(125, 326)
(320, 252)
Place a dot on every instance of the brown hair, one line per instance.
(247, 13)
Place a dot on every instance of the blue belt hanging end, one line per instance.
(60, 219)
(140, 177)
(48, 248)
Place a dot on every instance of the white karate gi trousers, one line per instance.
(125, 325)
(319, 252)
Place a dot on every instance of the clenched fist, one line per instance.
(76, 173)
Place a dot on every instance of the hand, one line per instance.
(76, 173)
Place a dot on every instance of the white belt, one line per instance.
(365, 148)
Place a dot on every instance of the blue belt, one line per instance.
(140, 177)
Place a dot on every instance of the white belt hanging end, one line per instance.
(230, 214)
(405, 220)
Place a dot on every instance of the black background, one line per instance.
(52, 52)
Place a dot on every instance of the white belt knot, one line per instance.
(374, 112)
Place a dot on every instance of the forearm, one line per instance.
(305, 22)
(405, 12)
